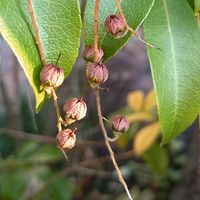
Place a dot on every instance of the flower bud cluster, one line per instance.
(75, 109)
(96, 72)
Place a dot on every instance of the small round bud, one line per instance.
(97, 73)
(75, 110)
(51, 76)
(88, 54)
(66, 139)
(120, 124)
(115, 25)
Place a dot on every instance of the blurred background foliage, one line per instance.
(31, 166)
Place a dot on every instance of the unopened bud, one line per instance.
(120, 124)
(75, 110)
(97, 73)
(88, 54)
(115, 25)
(66, 139)
(51, 76)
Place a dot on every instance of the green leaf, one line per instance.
(171, 26)
(59, 29)
(157, 159)
(135, 13)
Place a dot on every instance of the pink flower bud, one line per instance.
(51, 76)
(97, 73)
(115, 25)
(120, 124)
(75, 110)
(88, 54)
(66, 139)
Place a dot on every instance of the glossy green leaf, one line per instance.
(172, 27)
(135, 13)
(59, 28)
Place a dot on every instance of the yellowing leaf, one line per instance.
(135, 100)
(150, 101)
(140, 116)
(145, 138)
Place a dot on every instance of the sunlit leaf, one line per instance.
(135, 100)
(145, 138)
(140, 116)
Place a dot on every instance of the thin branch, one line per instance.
(36, 29)
(46, 139)
(27, 136)
(103, 159)
(98, 103)
(128, 27)
(121, 179)
(113, 139)
(59, 119)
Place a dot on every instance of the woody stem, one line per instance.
(59, 119)
(98, 103)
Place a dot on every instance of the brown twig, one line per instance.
(113, 139)
(121, 179)
(46, 139)
(59, 119)
(128, 27)
(98, 103)
(36, 29)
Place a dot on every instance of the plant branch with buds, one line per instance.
(97, 74)
(52, 77)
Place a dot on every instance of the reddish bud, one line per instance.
(115, 25)
(66, 139)
(97, 73)
(75, 110)
(88, 54)
(120, 124)
(51, 76)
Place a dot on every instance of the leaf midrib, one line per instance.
(174, 64)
